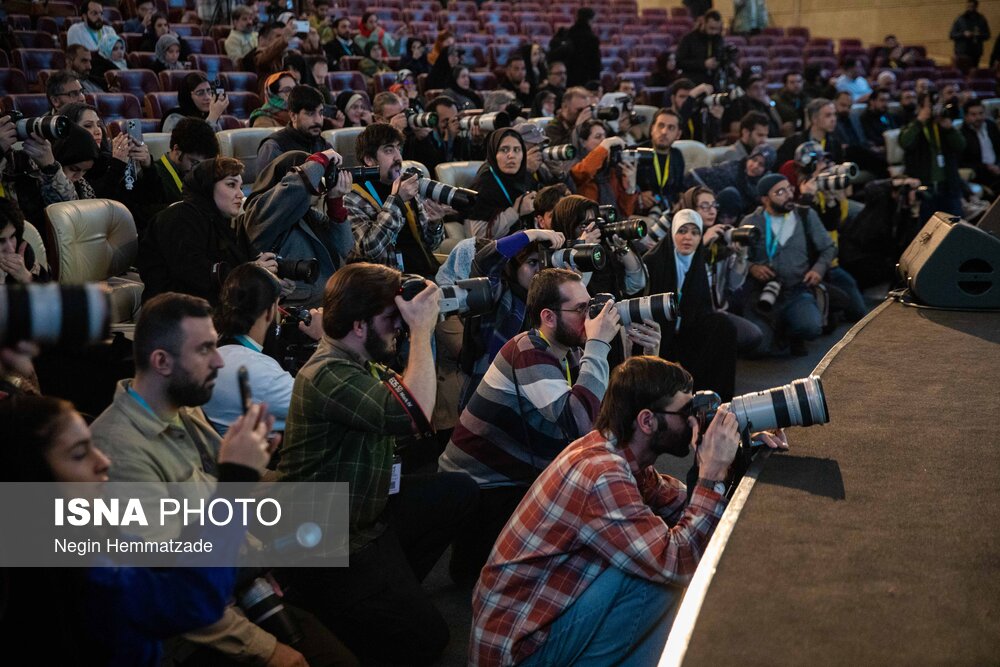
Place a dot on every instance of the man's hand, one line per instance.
(268, 261)
(451, 129)
(605, 326)
(13, 264)
(553, 239)
(246, 442)
(405, 188)
(712, 233)
(583, 116)
(139, 153)
(611, 142)
(436, 211)
(647, 200)
(533, 159)
(421, 312)
(315, 328)
(762, 272)
(8, 134)
(808, 187)
(647, 336)
(629, 173)
(525, 204)
(39, 149)
(421, 133)
(773, 439)
(285, 656)
(333, 156)
(812, 279)
(17, 359)
(702, 89)
(343, 185)
(718, 448)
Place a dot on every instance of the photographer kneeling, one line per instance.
(279, 217)
(248, 309)
(590, 571)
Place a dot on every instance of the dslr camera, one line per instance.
(359, 174)
(486, 122)
(583, 258)
(724, 100)
(459, 198)
(838, 177)
(659, 307)
(560, 153)
(768, 296)
(951, 109)
(604, 113)
(304, 270)
(415, 119)
(472, 296)
(640, 157)
(802, 402)
(48, 127)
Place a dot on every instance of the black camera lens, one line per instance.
(360, 173)
(305, 270)
(627, 230)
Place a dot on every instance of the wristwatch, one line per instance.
(713, 485)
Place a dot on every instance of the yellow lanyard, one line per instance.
(3, 193)
(936, 143)
(569, 381)
(662, 180)
(691, 127)
(170, 169)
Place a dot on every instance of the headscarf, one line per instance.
(491, 199)
(441, 74)
(107, 44)
(365, 32)
(344, 100)
(468, 93)
(438, 49)
(164, 43)
(75, 147)
(275, 107)
(185, 102)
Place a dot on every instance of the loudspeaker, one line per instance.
(991, 219)
(952, 264)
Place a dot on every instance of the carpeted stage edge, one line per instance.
(876, 540)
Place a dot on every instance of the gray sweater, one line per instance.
(798, 255)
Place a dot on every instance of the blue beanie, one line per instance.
(768, 181)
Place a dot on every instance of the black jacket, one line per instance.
(694, 49)
(972, 156)
(431, 151)
(874, 124)
(585, 65)
(335, 50)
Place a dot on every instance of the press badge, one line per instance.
(397, 473)
(940, 160)
(399, 261)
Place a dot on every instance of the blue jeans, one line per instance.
(855, 308)
(796, 316)
(619, 620)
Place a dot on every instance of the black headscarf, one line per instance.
(441, 75)
(491, 199)
(75, 147)
(344, 101)
(185, 103)
(468, 93)
(199, 187)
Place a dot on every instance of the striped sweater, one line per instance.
(525, 412)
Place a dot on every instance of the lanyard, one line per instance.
(247, 342)
(662, 180)
(142, 401)
(208, 464)
(770, 244)
(371, 191)
(502, 187)
(691, 127)
(565, 362)
(3, 193)
(170, 170)
(936, 142)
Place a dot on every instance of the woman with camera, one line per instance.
(112, 615)
(248, 310)
(190, 246)
(279, 217)
(197, 99)
(502, 184)
(601, 175)
(700, 339)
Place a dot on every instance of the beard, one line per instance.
(183, 391)
(376, 347)
(671, 441)
(95, 25)
(782, 209)
(568, 337)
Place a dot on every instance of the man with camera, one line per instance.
(393, 224)
(446, 142)
(155, 431)
(591, 565)
(788, 260)
(541, 392)
(305, 124)
(701, 52)
(697, 122)
(574, 111)
(932, 151)
(756, 99)
(348, 417)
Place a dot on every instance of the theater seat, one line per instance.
(30, 61)
(158, 142)
(171, 79)
(242, 144)
(95, 240)
(338, 81)
(461, 174)
(239, 82)
(29, 105)
(113, 106)
(34, 239)
(241, 104)
(211, 64)
(156, 104)
(893, 151)
(12, 81)
(34, 39)
(419, 166)
(343, 141)
(141, 59)
(148, 125)
(695, 154)
(136, 82)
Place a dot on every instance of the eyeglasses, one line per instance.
(202, 92)
(685, 411)
(705, 206)
(285, 91)
(579, 310)
(75, 93)
(782, 191)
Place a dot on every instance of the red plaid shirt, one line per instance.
(591, 509)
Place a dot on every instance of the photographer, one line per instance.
(305, 107)
(755, 99)
(702, 54)
(393, 109)
(392, 223)
(279, 217)
(700, 338)
(31, 176)
(196, 99)
(982, 146)
(515, 79)
(542, 391)
(788, 261)
(17, 257)
(588, 569)
(503, 187)
(248, 310)
(696, 121)
(155, 431)
(660, 193)
(344, 425)
(601, 175)
(190, 245)
(444, 143)
(573, 112)
(932, 152)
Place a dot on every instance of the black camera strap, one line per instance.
(422, 428)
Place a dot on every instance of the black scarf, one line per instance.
(491, 199)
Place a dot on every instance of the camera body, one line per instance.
(472, 296)
(632, 229)
(304, 270)
(950, 110)
(802, 402)
(642, 308)
(583, 258)
(640, 157)
(744, 235)
(725, 100)
(48, 127)
(296, 315)
(606, 113)
(449, 195)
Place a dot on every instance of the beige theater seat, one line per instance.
(646, 111)
(95, 240)
(34, 239)
(343, 141)
(408, 164)
(717, 154)
(775, 143)
(542, 122)
(158, 142)
(893, 151)
(460, 174)
(695, 153)
(242, 144)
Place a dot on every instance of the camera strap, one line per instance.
(422, 428)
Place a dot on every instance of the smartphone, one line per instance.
(134, 129)
(219, 90)
(246, 397)
(302, 27)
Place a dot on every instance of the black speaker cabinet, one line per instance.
(953, 264)
(991, 219)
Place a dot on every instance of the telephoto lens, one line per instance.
(305, 270)
(485, 121)
(583, 257)
(768, 296)
(54, 314)
(472, 296)
(604, 113)
(459, 198)
(632, 229)
(559, 153)
(49, 127)
(832, 182)
(637, 156)
(426, 119)
(744, 235)
(359, 174)
(264, 608)
(659, 307)
(802, 402)
(659, 229)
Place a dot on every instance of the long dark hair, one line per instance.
(29, 424)
(185, 103)
(249, 290)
